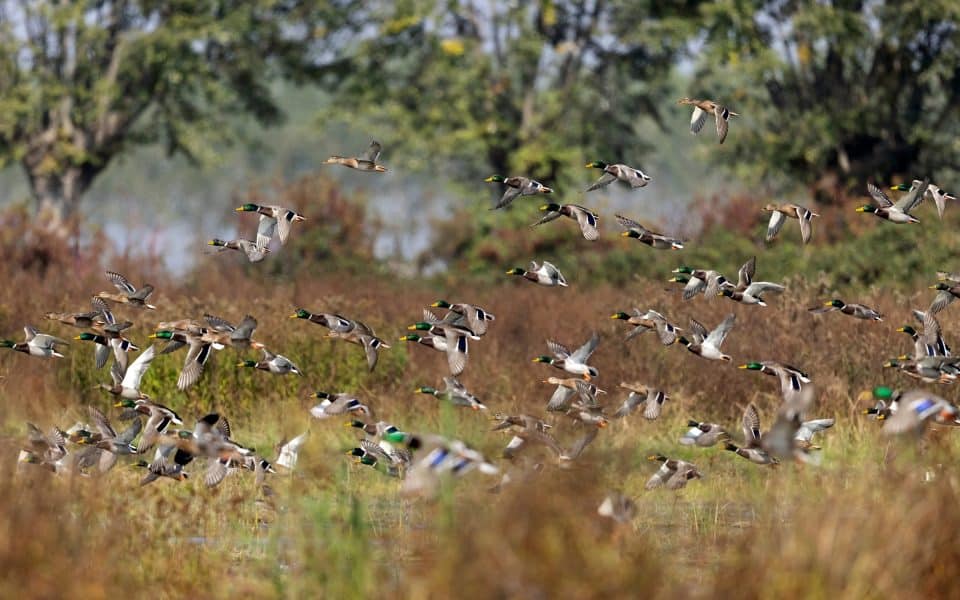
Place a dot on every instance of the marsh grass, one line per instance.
(866, 523)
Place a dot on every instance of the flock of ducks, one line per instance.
(422, 460)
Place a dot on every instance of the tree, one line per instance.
(513, 88)
(836, 93)
(82, 81)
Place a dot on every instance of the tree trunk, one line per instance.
(57, 194)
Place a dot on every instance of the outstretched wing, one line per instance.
(879, 196)
(719, 334)
(265, 230)
(746, 273)
(697, 120)
(605, 180)
(588, 223)
(373, 152)
(777, 219)
(509, 195)
(722, 114)
(583, 353)
(751, 425)
(912, 198)
(138, 367)
(121, 283)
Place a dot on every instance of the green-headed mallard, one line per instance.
(780, 213)
(886, 401)
(159, 417)
(586, 218)
(917, 409)
(129, 294)
(342, 403)
(751, 450)
(455, 393)
(635, 178)
(886, 209)
(453, 340)
(791, 379)
(748, 291)
(651, 399)
(648, 321)
(703, 434)
(930, 342)
(635, 230)
(366, 162)
(119, 345)
(127, 384)
(273, 220)
(699, 281)
(253, 252)
(274, 363)
(947, 292)
(348, 330)
(673, 473)
(545, 274)
(476, 317)
(939, 196)
(574, 362)
(930, 369)
(436, 457)
(197, 355)
(36, 344)
(702, 108)
(858, 311)
(517, 186)
(708, 345)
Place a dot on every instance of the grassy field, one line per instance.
(876, 519)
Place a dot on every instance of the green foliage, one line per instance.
(835, 93)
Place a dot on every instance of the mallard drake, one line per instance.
(476, 318)
(930, 342)
(635, 178)
(748, 291)
(119, 345)
(273, 220)
(586, 218)
(780, 213)
(517, 186)
(791, 379)
(702, 108)
(635, 230)
(452, 339)
(545, 274)
(392, 462)
(886, 401)
(930, 369)
(917, 409)
(453, 392)
(575, 362)
(703, 434)
(708, 345)
(366, 162)
(127, 384)
(254, 252)
(886, 209)
(36, 344)
(858, 311)
(332, 405)
(673, 473)
(274, 363)
(197, 355)
(947, 292)
(699, 280)
(159, 417)
(435, 457)
(752, 449)
(86, 320)
(938, 196)
(648, 321)
(128, 294)
(348, 330)
(567, 389)
(652, 399)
